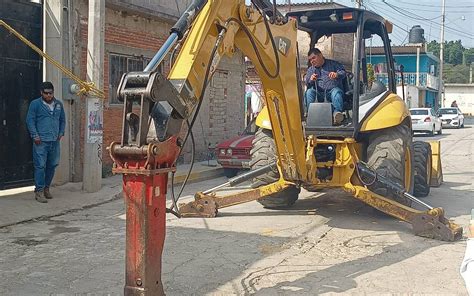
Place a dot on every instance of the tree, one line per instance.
(434, 47)
(469, 55)
(453, 51)
(456, 73)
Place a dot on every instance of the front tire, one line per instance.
(389, 153)
(440, 132)
(262, 153)
(422, 168)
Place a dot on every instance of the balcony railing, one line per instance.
(426, 80)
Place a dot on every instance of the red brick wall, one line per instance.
(127, 34)
(121, 36)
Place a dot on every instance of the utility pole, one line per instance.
(470, 73)
(441, 58)
(92, 174)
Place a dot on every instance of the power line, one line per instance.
(411, 14)
(431, 5)
(420, 18)
(392, 18)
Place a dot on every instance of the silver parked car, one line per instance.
(424, 120)
(451, 117)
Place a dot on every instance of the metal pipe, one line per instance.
(161, 54)
(365, 170)
(411, 197)
(242, 178)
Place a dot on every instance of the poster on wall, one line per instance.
(95, 123)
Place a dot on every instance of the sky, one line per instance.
(404, 14)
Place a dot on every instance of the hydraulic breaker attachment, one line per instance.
(147, 152)
(206, 204)
(431, 223)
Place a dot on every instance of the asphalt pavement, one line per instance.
(328, 243)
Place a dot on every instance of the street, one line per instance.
(327, 243)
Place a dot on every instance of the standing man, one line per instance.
(324, 82)
(46, 123)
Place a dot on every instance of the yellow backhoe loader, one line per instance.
(371, 155)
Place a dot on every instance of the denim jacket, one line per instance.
(324, 82)
(44, 124)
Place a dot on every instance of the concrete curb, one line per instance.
(199, 175)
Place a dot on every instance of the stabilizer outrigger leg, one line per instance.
(431, 223)
(206, 204)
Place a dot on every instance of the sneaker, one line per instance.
(40, 197)
(47, 194)
(338, 118)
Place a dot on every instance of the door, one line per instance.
(20, 77)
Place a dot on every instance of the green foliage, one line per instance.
(456, 73)
(469, 54)
(433, 47)
(453, 51)
(370, 73)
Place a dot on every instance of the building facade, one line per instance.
(420, 68)
(134, 31)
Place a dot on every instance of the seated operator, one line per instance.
(324, 82)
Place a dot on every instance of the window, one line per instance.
(118, 65)
(419, 112)
(448, 111)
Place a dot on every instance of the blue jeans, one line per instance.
(45, 161)
(335, 96)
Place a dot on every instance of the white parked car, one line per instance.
(451, 117)
(424, 120)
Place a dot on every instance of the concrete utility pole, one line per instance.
(441, 58)
(92, 174)
(470, 74)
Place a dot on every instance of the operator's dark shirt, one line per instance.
(323, 81)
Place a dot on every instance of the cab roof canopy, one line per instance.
(325, 22)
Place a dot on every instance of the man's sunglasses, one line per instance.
(48, 92)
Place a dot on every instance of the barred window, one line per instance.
(120, 64)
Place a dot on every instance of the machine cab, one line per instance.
(348, 36)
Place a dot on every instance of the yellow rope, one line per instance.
(85, 87)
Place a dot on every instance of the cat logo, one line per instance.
(283, 45)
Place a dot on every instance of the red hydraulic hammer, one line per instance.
(146, 154)
(145, 177)
(153, 115)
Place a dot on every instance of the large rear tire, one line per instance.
(262, 153)
(422, 167)
(389, 153)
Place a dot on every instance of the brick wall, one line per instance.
(222, 113)
(139, 36)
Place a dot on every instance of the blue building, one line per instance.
(420, 73)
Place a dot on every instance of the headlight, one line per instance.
(229, 151)
(222, 151)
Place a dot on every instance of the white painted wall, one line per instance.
(463, 94)
(412, 95)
